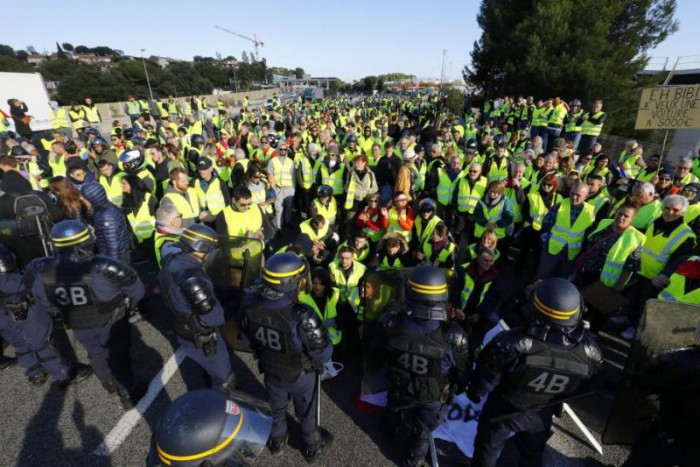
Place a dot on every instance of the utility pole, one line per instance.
(148, 81)
(442, 69)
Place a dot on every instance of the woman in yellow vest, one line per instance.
(612, 256)
(489, 240)
(440, 251)
(140, 208)
(323, 298)
(398, 217)
(325, 205)
(494, 210)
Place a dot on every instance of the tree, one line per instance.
(585, 49)
(81, 49)
(67, 46)
(244, 57)
(22, 55)
(31, 49)
(253, 57)
(7, 51)
(299, 72)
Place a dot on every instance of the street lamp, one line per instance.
(148, 81)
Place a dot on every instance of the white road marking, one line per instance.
(130, 419)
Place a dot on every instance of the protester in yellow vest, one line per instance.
(242, 218)
(167, 233)
(591, 127)
(184, 198)
(324, 300)
(110, 177)
(346, 272)
(563, 234)
(211, 190)
(494, 211)
(684, 284)
(439, 250)
(140, 208)
(92, 114)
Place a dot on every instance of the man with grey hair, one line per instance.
(684, 173)
(668, 240)
(168, 230)
(563, 231)
(650, 206)
(280, 172)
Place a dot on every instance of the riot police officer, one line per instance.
(27, 330)
(529, 371)
(428, 360)
(197, 315)
(91, 294)
(292, 345)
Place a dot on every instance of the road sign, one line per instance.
(669, 108)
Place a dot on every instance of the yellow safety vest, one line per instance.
(343, 284)
(538, 209)
(159, 240)
(78, 118)
(446, 187)
(590, 129)
(329, 315)
(647, 214)
(306, 228)
(624, 246)
(283, 172)
(36, 173)
(692, 212)
(424, 232)
(133, 108)
(469, 288)
(114, 187)
(565, 234)
(492, 214)
(333, 179)
(511, 195)
(212, 198)
(675, 290)
(58, 167)
(59, 119)
(142, 223)
(442, 257)
(329, 212)
(468, 198)
(419, 176)
(91, 114)
(557, 115)
(598, 201)
(658, 249)
(498, 170)
(394, 226)
(187, 207)
(304, 165)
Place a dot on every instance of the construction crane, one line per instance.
(254, 40)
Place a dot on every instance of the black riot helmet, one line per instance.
(426, 293)
(132, 160)
(71, 235)
(198, 238)
(556, 302)
(8, 262)
(470, 145)
(325, 190)
(197, 140)
(284, 272)
(212, 427)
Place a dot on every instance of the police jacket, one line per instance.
(112, 234)
(531, 368)
(34, 326)
(288, 338)
(86, 291)
(428, 359)
(190, 295)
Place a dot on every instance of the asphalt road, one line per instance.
(46, 425)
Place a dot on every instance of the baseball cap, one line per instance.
(203, 163)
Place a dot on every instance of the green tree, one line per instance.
(7, 51)
(299, 72)
(67, 46)
(14, 65)
(586, 49)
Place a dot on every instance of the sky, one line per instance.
(347, 40)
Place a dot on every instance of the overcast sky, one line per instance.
(348, 40)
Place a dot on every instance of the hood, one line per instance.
(404, 243)
(95, 193)
(14, 182)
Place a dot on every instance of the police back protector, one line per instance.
(550, 373)
(415, 365)
(68, 286)
(270, 325)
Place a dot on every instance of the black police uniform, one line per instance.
(292, 344)
(428, 360)
(428, 364)
(673, 438)
(89, 294)
(28, 331)
(529, 371)
(197, 315)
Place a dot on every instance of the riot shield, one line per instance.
(237, 265)
(383, 292)
(27, 239)
(232, 428)
(665, 326)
